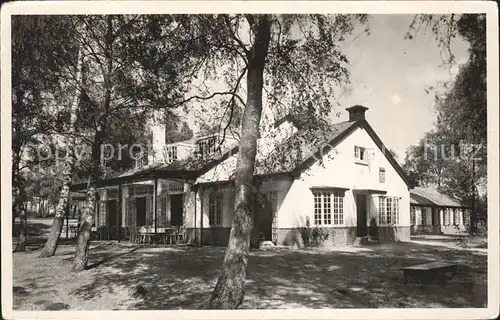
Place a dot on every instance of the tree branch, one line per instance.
(231, 104)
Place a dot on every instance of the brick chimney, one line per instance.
(356, 112)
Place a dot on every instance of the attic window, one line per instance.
(360, 153)
(207, 146)
(170, 154)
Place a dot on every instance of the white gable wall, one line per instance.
(339, 169)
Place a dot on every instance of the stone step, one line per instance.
(358, 241)
(361, 241)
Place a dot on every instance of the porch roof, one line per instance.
(187, 169)
(432, 197)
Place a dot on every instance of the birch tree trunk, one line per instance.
(228, 292)
(55, 232)
(83, 239)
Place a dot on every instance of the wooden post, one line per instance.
(155, 207)
(119, 215)
(201, 216)
(195, 205)
(67, 220)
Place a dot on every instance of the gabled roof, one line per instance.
(432, 197)
(301, 146)
(305, 147)
(295, 154)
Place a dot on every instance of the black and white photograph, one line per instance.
(184, 156)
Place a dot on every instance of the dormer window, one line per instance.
(207, 146)
(170, 153)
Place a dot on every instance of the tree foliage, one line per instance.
(460, 133)
(290, 62)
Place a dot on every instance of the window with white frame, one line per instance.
(360, 153)
(170, 153)
(381, 175)
(413, 218)
(273, 197)
(465, 214)
(447, 216)
(423, 213)
(207, 146)
(215, 209)
(388, 210)
(328, 207)
(175, 187)
(456, 218)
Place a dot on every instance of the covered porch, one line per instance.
(143, 206)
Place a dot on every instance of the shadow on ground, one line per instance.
(183, 278)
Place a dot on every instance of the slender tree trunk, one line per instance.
(228, 292)
(55, 232)
(18, 183)
(83, 239)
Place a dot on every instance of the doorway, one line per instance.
(140, 209)
(112, 223)
(361, 213)
(176, 209)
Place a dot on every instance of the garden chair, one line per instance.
(169, 236)
(164, 236)
(132, 235)
(144, 235)
(181, 235)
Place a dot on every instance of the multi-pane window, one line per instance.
(162, 212)
(338, 209)
(170, 154)
(317, 208)
(447, 216)
(175, 188)
(465, 214)
(382, 217)
(456, 216)
(395, 211)
(424, 216)
(273, 198)
(207, 146)
(215, 209)
(359, 153)
(388, 210)
(323, 209)
(327, 208)
(388, 207)
(413, 218)
(381, 175)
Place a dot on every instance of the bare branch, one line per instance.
(231, 104)
(234, 37)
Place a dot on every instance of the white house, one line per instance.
(340, 178)
(432, 212)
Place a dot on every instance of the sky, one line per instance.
(389, 76)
